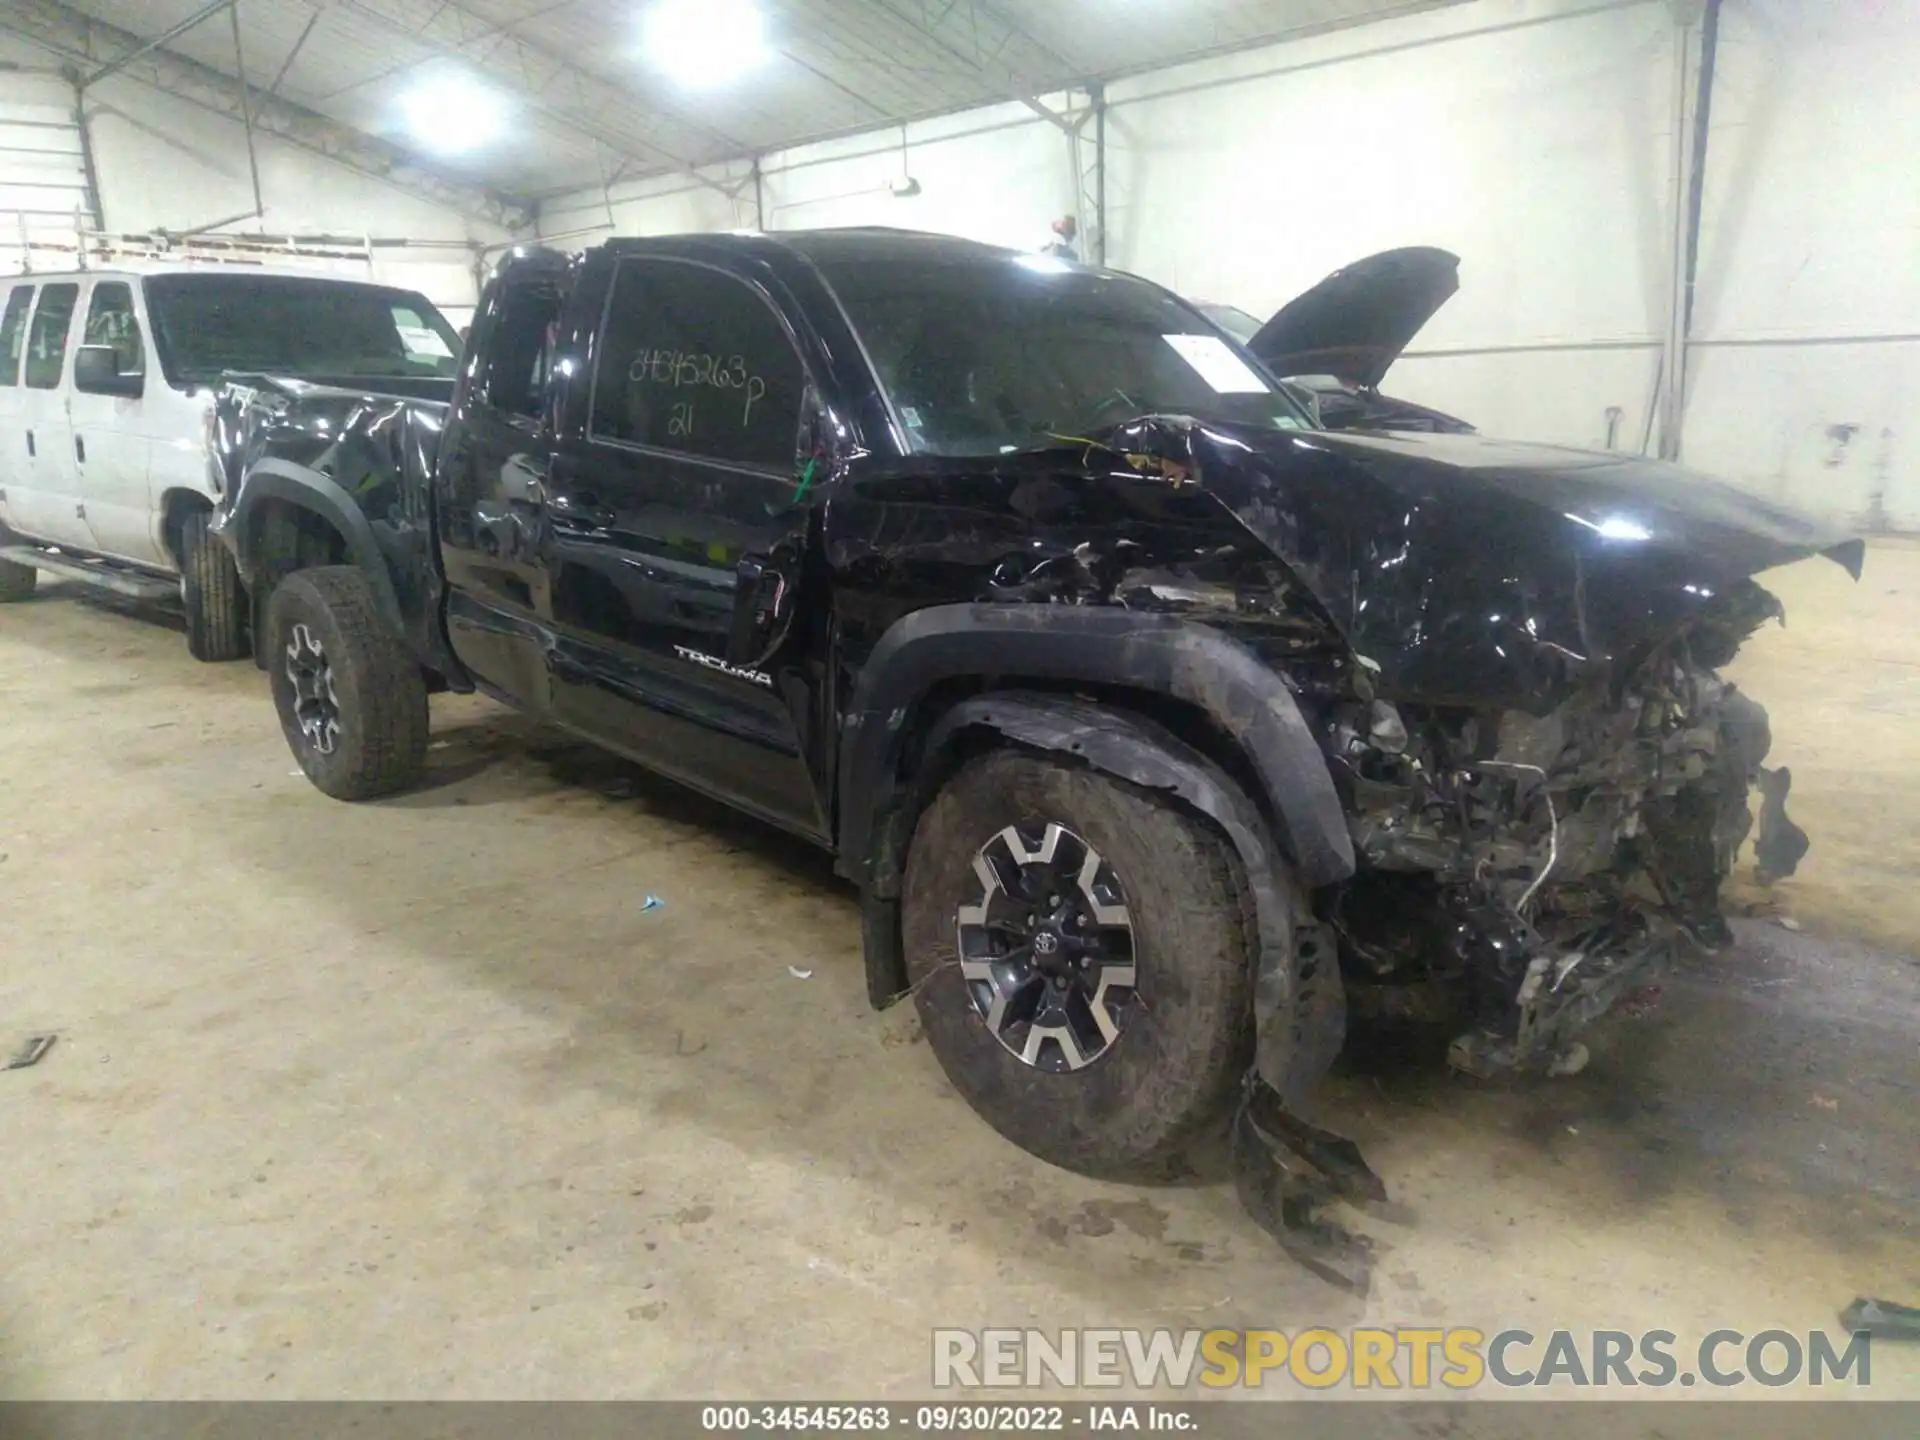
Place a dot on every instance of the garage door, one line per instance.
(43, 177)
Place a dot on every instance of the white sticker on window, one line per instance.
(911, 416)
(1225, 371)
(421, 341)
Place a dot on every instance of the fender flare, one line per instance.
(272, 479)
(1096, 646)
(1299, 1003)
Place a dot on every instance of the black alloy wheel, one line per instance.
(1046, 947)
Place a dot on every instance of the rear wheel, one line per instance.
(17, 581)
(1081, 960)
(210, 586)
(352, 702)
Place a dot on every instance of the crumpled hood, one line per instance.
(1474, 571)
(1354, 324)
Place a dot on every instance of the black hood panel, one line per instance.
(1471, 571)
(1354, 324)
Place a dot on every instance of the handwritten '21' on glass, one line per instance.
(696, 370)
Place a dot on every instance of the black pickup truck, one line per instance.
(1163, 733)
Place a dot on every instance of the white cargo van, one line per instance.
(106, 392)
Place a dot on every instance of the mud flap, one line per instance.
(1285, 1169)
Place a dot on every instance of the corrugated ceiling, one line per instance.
(589, 105)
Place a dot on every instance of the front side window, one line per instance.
(990, 355)
(306, 329)
(47, 338)
(692, 360)
(111, 322)
(13, 333)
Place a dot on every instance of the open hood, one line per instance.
(1354, 324)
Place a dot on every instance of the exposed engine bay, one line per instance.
(1520, 872)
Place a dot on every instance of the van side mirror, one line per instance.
(96, 370)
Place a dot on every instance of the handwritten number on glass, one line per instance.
(692, 369)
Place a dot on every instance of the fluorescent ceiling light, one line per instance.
(705, 42)
(449, 114)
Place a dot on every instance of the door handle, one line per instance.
(30, 449)
(80, 449)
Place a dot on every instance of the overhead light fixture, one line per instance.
(450, 114)
(700, 43)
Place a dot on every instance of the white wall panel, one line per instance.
(666, 205)
(1535, 144)
(1535, 139)
(1000, 175)
(1811, 235)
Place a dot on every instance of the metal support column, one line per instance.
(96, 207)
(1089, 160)
(1697, 40)
(246, 109)
(1100, 174)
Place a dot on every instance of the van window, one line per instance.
(300, 327)
(13, 333)
(110, 321)
(47, 339)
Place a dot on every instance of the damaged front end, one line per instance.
(1510, 656)
(1519, 872)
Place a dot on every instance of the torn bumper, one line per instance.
(1562, 994)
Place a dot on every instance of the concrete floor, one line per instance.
(414, 1100)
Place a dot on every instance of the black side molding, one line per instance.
(417, 627)
(1093, 646)
(310, 490)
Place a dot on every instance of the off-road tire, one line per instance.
(381, 747)
(1133, 1111)
(17, 581)
(215, 603)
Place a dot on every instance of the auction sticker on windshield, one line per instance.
(1225, 371)
(419, 340)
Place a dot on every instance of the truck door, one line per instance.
(112, 432)
(18, 302)
(489, 480)
(42, 498)
(684, 463)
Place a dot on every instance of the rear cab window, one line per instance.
(521, 334)
(13, 333)
(47, 336)
(695, 361)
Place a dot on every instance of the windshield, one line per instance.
(981, 357)
(1232, 319)
(303, 328)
